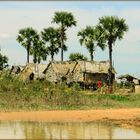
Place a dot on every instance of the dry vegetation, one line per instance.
(43, 95)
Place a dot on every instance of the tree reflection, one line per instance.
(33, 130)
(49, 130)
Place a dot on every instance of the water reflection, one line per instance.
(47, 130)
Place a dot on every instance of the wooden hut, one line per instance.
(129, 79)
(59, 71)
(16, 69)
(77, 72)
(90, 73)
(32, 71)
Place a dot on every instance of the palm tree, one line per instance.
(42, 52)
(25, 38)
(38, 50)
(111, 28)
(64, 20)
(89, 38)
(77, 56)
(51, 36)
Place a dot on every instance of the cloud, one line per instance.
(5, 36)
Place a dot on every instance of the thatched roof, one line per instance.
(128, 77)
(16, 69)
(61, 67)
(86, 66)
(37, 69)
(95, 67)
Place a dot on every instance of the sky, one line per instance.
(38, 15)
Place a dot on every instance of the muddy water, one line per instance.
(45, 130)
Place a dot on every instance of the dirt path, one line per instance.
(76, 115)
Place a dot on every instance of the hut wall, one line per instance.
(78, 74)
(137, 89)
(50, 74)
(25, 74)
(93, 78)
(69, 77)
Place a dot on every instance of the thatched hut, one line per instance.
(16, 69)
(59, 71)
(90, 73)
(129, 79)
(78, 72)
(32, 71)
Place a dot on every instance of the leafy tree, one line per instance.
(64, 20)
(3, 61)
(111, 28)
(89, 37)
(26, 38)
(77, 56)
(51, 36)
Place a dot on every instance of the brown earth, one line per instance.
(75, 115)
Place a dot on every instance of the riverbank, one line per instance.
(73, 115)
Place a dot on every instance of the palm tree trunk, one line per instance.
(62, 43)
(28, 54)
(52, 57)
(35, 58)
(110, 67)
(91, 54)
(62, 51)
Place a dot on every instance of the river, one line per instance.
(66, 130)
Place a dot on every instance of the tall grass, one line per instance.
(43, 95)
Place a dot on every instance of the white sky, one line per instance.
(17, 15)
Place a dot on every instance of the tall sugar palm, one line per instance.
(25, 38)
(111, 28)
(38, 50)
(64, 20)
(51, 36)
(42, 52)
(89, 38)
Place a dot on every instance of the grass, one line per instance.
(43, 95)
